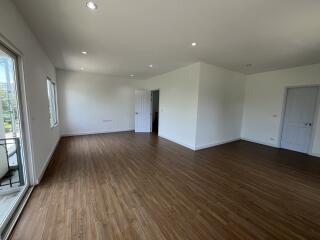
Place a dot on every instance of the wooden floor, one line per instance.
(139, 186)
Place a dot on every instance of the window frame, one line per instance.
(53, 84)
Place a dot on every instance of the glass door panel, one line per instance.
(13, 174)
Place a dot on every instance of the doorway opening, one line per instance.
(155, 111)
(299, 118)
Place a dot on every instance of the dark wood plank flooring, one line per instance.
(139, 186)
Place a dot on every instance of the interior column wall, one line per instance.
(220, 106)
(178, 103)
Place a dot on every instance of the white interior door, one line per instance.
(142, 111)
(298, 119)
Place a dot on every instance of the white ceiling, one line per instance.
(123, 37)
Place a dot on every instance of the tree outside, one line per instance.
(7, 97)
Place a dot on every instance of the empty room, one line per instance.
(169, 120)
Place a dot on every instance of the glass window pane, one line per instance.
(52, 103)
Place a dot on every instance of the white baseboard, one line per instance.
(209, 145)
(44, 167)
(274, 145)
(315, 154)
(81, 133)
(177, 142)
(260, 142)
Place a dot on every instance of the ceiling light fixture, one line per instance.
(194, 44)
(92, 5)
(150, 66)
(132, 75)
(84, 52)
(82, 68)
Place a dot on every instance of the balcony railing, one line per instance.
(11, 169)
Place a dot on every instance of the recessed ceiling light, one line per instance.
(132, 75)
(84, 52)
(194, 44)
(150, 66)
(82, 68)
(92, 5)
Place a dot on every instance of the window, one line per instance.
(52, 102)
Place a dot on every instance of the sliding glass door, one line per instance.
(13, 172)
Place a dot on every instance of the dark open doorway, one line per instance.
(155, 110)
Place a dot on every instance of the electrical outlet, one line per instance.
(272, 139)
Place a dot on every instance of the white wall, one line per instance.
(220, 105)
(264, 103)
(201, 105)
(37, 67)
(178, 103)
(94, 103)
